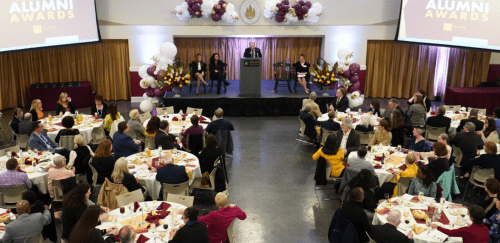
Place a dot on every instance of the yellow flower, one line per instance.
(321, 80)
(328, 82)
(323, 76)
(180, 85)
(183, 79)
(169, 83)
(170, 80)
(327, 74)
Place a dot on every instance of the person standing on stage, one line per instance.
(216, 68)
(252, 51)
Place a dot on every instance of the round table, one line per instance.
(88, 124)
(177, 126)
(12, 217)
(134, 219)
(148, 179)
(456, 119)
(355, 115)
(424, 237)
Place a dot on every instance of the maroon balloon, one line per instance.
(302, 3)
(354, 87)
(150, 93)
(309, 4)
(278, 5)
(304, 10)
(161, 74)
(300, 17)
(198, 14)
(222, 2)
(354, 68)
(190, 2)
(347, 74)
(215, 17)
(151, 70)
(285, 2)
(354, 79)
(296, 6)
(166, 89)
(158, 92)
(222, 11)
(197, 7)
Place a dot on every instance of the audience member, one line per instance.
(198, 71)
(121, 175)
(330, 124)
(423, 182)
(85, 229)
(332, 153)
(37, 206)
(13, 177)
(468, 142)
(170, 173)
(209, 154)
(26, 125)
(58, 172)
(353, 211)
(394, 105)
(409, 172)
(442, 138)
(473, 114)
(417, 112)
(68, 122)
(219, 123)
(475, 233)
(490, 133)
(309, 122)
(302, 70)
(388, 232)
(104, 161)
(375, 108)
(315, 112)
(152, 127)
(80, 156)
(193, 231)
(382, 134)
(74, 204)
(99, 108)
(124, 145)
(341, 102)
(493, 222)
(439, 120)
(365, 123)
(64, 104)
(26, 224)
(127, 234)
(348, 139)
(112, 116)
(194, 129)
(36, 110)
(440, 164)
(369, 182)
(166, 140)
(135, 126)
(359, 163)
(41, 142)
(492, 187)
(219, 220)
(487, 161)
(496, 113)
(396, 127)
(425, 100)
(418, 143)
(16, 119)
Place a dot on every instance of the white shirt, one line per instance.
(199, 66)
(344, 140)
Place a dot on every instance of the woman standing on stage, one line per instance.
(302, 70)
(198, 70)
(216, 68)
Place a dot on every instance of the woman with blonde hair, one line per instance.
(365, 124)
(121, 175)
(36, 110)
(80, 156)
(64, 104)
(59, 172)
(135, 126)
(104, 161)
(198, 71)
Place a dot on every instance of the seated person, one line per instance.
(127, 234)
(423, 182)
(388, 233)
(489, 134)
(41, 142)
(121, 175)
(166, 140)
(330, 124)
(359, 163)
(409, 172)
(26, 125)
(85, 229)
(418, 143)
(13, 177)
(112, 116)
(135, 126)
(209, 154)
(441, 163)
(219, 123)
(68, 122)
(476, 233)
(442, 138)
(307, 118)
(341, 102)
(315, 112)
(64, 104)
(368, 181)
(59, 172)
(332, 153)
(469, 143)
(99, 108)
(493, 222)
(16, 119)
(193, 231)
(194, 129)
(219, 220)
(353, 211)
(382, 135)
(439, 120)
(170, 173)
(347, 138)
(365, 123)
(492, 187)
(26, 224)
(79, 157)
(36, 110)
(487, 161)
(473, 114)
(124, 145)
(152, 127)
(396, 125)
(104, 161)
(375, 108)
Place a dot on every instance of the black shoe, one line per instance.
(337, 187)
(197, 93)
(227, 83)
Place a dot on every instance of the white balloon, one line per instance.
(143, 71)
(230, 7)
(345, 68)
(349, 60)
(267, 13)
(143, 85)
(145, 96)
(168, 50)
(150, 80)
(343, 52)
(268, 4)
(318, 7)
(146, 106)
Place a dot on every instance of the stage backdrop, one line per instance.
(105, 65)
(231, 49)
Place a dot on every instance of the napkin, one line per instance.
(139, 231)
(29, 162)
(415, 199)
(165, 116)
(14, 155)
(457, 112)
(156, 218)
(175, 119)
(136, 206)
(21, 170)
(2, 227)
(184, 115)
(163, 206)
(377, 166)
(59, 124)
(390, 170)
(403, 167)
(406, 151)
(345, 164)
(142, 239)
(391, 152)
(378, 158)
(354, 120)
(204, 122)
(201, 118)
(382, 211)
(444, 220)
(433, 113)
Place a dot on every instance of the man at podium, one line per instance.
(252, 51)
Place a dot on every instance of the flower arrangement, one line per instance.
(324, 76)
(284, 12)
(214, 9)
(173, 77)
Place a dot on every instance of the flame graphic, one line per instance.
(250, 13)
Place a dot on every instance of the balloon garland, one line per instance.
(214, 9)
(285, 13)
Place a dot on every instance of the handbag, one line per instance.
(205, 179)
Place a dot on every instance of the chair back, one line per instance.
(325, 133)
(225, 140)
(11, 195)
(328, 170)
(177, 189)
(382, 112)
(2, 153)
(230, 232)
(57, 191)
(196, 111)
(94, 174)
(432, 133)
(131, 197)
(97, 135)
(22, 140)
(145, 116)
(365, 137)
(341, 229)
(403, 185)
(452, 107)
(302, 127)
(114, 126)
(34, 239)
(281, 71)
(479, 176)
(370, 240)
(7, 151)
(457, 153)
(184, 200)
(67, 142)
(194, 143)
(150, 142)
(480, 111)
(164, 110)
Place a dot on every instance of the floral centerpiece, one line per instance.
(173, 77)
(325, 77)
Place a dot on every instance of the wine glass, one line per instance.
(155, 201)
(428, 224)
(122, 210)
(420, 196)
(152, 228)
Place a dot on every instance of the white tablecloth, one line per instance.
(12, 217)
(422, 237)
(175, 128)
(149, 179)
(85, 128)
(342, 115)
(130, 214)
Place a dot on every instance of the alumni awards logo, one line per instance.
(250, 11)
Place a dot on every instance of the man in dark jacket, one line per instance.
(341, 103)
(164, 139)
(193, 231)
(472, 118)
(354, 212)
(310, 123)
(468, 141)
(388, 233)
(219, 124)
(439, 120)
(170, 173)
(26, 125)
(16, 119)
(330, 124)
(123, 144)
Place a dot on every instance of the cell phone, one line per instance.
(8, 222)
(134, 172)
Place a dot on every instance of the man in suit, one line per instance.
(41, 142)
(310, 123)
(472, 118)
(353, 211)
(127, 234)
(315, 112)
(348, 138)
(388, 233)
(219, 123)
(252, 51)
(26, 125)
(468, 142)
(393, 104)
(330, 124)
(166, 140)
(16, 119)
(193, 231)
(439, 120)
(123, 144)
(341, 103)
(170, 173)
(26, 224)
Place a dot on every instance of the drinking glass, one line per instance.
(428, 224)
(152, 228)
(122, 211)
(386, 196)
(155, 202)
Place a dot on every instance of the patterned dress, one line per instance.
(493, 224)
(417, 185)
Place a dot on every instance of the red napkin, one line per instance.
(382, 211)
(345, 164)
(2, 228)
(406, 151)
(136, 206)
(165, 116)
(59, 124)
(378, 158)
(377, 166)
(184, 115)
(433, 113)
(403, 167)
(95, 117)
(175, 119)
(415, 200)
(201, 118)
(21, 170)
(457, 112)
(29, 162)
(142, 239)
(192, 166)
(142, 230)
(443, 219)
(391, 152)
(155, 164)
(354, 120)
(156, 219)
(390, 170)
(14, 155)
(163, 206)
(204, 122)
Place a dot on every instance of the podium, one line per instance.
(250, 77)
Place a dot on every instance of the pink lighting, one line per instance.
(441, 73)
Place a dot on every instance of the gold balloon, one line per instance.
(305, 15)
(285, 20)
(224, 5)
(294, 15)
(290, 10)
(213, 12)
(180, 12)
(277, 9)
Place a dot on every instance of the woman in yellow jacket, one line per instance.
(409, 172)
(333, 154)
(112, 116)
